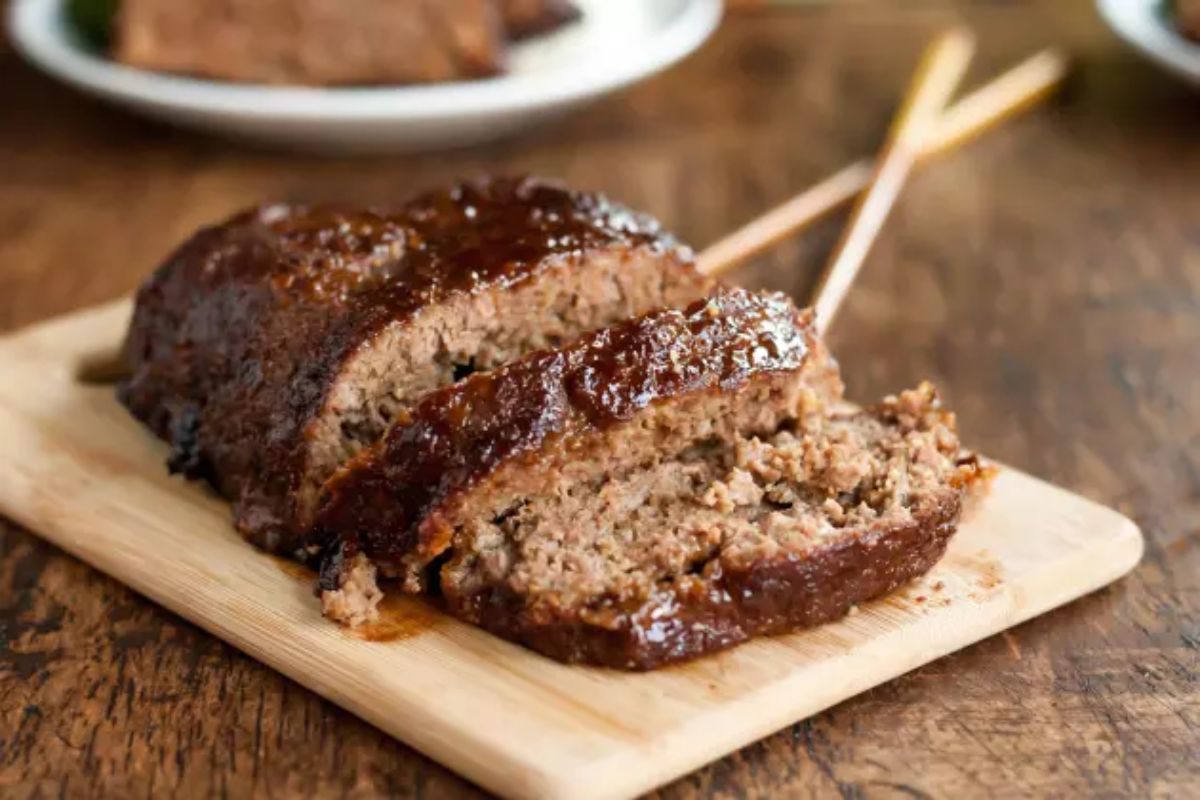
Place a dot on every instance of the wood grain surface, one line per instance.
(1047, 277)
(84, 475)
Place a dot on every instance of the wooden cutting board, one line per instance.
(75, 468)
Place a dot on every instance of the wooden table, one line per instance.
(1048, 278)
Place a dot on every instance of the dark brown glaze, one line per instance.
(391, 502)
(238, 338)
(700, 614)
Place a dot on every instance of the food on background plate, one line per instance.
(523, 18)
(1187, 17)
(489, 395)
(318, 42)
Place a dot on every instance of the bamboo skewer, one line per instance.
(941, 70)
(1018, 89)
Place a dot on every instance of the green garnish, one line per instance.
(93, 19)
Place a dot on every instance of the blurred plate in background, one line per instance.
(1147, 25)
(616, 43)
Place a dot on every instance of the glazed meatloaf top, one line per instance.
(238, 340)
(392, 503)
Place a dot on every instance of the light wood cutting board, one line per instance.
(78, 470)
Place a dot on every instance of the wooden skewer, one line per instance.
(941, 69)
(1016, 90)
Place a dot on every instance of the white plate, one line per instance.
(1146, 26)
(616, 43)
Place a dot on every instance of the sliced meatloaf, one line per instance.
(625, 397)
(270, 348)
(524, 18)
(659, 490)
(313, 42)
(738, 537)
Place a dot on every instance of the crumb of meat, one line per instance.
(846, 463)
(738, 489)
(833, 509)
(356, 600)
(919, 407)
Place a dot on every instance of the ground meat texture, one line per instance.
(314, 42)
(659, 490)
(273, 347)
(633, 394)
(747, 535)
(353, 595)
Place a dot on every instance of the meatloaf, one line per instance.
(271, 348)
(635, 392)
(744, 536)
(658, 490)
(314, 42)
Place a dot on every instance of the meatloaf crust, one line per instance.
(237, 342)
(392, 503)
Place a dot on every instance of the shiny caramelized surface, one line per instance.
(238, 339)
(462, 239)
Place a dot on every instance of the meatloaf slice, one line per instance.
(313, 42)
(269, 349)
(624, 398)
(737, 537)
